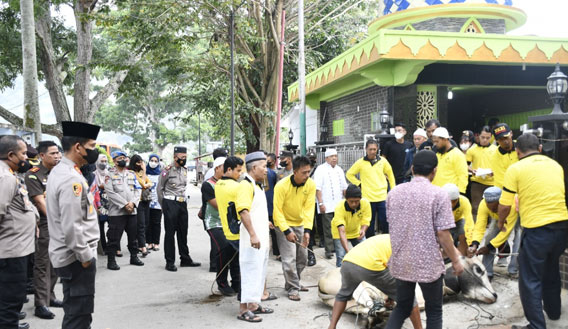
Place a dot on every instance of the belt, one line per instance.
(174, 198)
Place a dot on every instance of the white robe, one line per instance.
(253, 262)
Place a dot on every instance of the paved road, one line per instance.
(151, 297)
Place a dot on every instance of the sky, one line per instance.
(545, 19)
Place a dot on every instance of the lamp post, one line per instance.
(384, 120)
(556, 87)
(290, 137)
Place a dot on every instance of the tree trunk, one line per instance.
(84, 25)
(29, 59)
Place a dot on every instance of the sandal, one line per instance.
(249, 316)
(262, 310)
(156, 248)
(271, 296)
(295, 298)
(302, 288)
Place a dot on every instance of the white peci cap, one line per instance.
(421, 132)
(441, 132)
(330, 152)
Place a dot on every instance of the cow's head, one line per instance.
(473, 283)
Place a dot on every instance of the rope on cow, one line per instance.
(478, 309)
(221, 271)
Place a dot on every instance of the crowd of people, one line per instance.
(392, 219)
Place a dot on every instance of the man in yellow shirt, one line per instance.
(368, 262)
(226, 195)
(373, 172)
(538, 182)
(479, 156)
(452, 167)
(494, 237)
(461, 209)
(294, 206)
(350, 222)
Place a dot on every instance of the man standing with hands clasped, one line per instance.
(254, 238)
(73, 224)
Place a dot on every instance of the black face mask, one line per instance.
(121, 163)
(283, 164)
(92, 155)
(181, 162)
(23, 166)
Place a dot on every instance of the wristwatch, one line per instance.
(320, 204)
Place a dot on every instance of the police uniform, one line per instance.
(121, 188)
(17, 235)
(283, 172)
(73, 232)
(171, 195)
(44, 274)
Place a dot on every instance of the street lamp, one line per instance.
(556, 87)
(384, 120)
(290, 137)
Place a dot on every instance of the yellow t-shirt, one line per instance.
(483, 216)
(452, 168)
(463, 211)
(294, 205)
(373, 178)
(480, 157)
(539, 182)
(500, 161)
(226, 191)
(351, 221)
(372, 254)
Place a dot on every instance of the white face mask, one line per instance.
(153, 164)
(398, 135)
(464, 146)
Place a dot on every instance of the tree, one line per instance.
(29, 60)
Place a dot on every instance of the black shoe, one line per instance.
(118, 255)
(212, 269)
(171, 267)
(329, 255)
(112, 265)
(189, 263)
(227, 291)
(30, 289)
(56, 303)
(311, 259)
(22, 315)
(44, 313)
(490, 277)
(23, 325)
(134, 260)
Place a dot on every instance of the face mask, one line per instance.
(464, 146)
(92, 156)
(313, 162)
(153, 165)
(283, 164)
(181, 162)
(398, 135)
(102, 166)
(121, 163)
(23, 166)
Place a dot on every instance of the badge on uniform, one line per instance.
(77, 189)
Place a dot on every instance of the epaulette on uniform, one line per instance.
(34, 169)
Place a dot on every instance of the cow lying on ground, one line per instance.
(369, 301)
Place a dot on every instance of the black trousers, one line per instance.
(154, 226)
(103, 241)
(44, 275)
(539, 272)
(143, 216)
(116, 226)
(223, 253)
(275, 250)
(176, 224)
(433, 297)
(78, 294)
(13, 277)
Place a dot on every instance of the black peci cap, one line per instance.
(80, 129)
(425, 161)
(180, 149)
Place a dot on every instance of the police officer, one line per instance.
(171, 196)
(17, 230)
(73, 224)
(44, 275)
(123, 193)
(285, 165)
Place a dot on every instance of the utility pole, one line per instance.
(232, 33)
(302, 76)
(280, 82)
(199, 134)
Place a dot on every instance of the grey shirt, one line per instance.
(283, 173)
(173, 181)
(121, 188)
(17, 216)
(71, 216)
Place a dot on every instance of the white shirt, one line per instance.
(331, 182)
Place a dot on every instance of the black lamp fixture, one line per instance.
(557, 87)
(290, 135)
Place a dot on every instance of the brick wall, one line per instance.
(564, 269)
(355, 110)
(451, 24)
